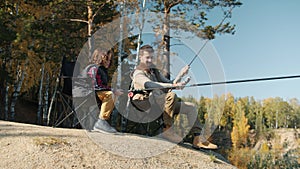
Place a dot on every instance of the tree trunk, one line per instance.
(166, 45)
(6, 103)
(40, 96)
(46, 95)
(114, 114)
(127, 109)
(90, 24)
(17, 90)
(276, 123)
(2, 86)
(6, 92)
(52, 101)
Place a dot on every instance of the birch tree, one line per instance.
(15, 61)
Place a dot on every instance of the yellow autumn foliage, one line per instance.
(240, 129)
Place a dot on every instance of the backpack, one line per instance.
(83, 84)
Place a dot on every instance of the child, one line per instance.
(98, 72)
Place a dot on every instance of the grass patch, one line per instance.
(49, 141)
(213, 158)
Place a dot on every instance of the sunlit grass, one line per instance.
(49, 141)
(213, 158)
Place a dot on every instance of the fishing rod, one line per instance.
(224, 82)
(142, 91)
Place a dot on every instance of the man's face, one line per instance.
(146, 58)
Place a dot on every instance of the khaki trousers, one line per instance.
(173, 106)
(107, 105)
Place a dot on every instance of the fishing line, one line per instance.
(207, 40)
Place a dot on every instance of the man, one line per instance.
(146, 76)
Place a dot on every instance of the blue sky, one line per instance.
(266, 44)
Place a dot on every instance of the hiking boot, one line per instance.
(198, 144)
(103, 127)
(170, 135)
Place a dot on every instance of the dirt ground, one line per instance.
(31, 146)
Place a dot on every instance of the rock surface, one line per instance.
(32, 146)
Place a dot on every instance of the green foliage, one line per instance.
(240, 157)
(271, 160)
(43, 32)
(202, 109)
(228, 111)
(278, 113)
(197, 21)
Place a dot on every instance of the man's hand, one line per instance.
(182, 73)
(181, 85)
(184, 70)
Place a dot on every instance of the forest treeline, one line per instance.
(269, 113)
(253, 126)
(36, 36)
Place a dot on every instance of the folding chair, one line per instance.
(76, 106)
(64, 113)
(146, 122)
(86, 101)
(87, 110)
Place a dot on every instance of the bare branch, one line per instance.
(97, 11)
(175, 3)
(78, 20)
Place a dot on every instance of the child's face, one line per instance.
(102, 59)
(106, 62)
